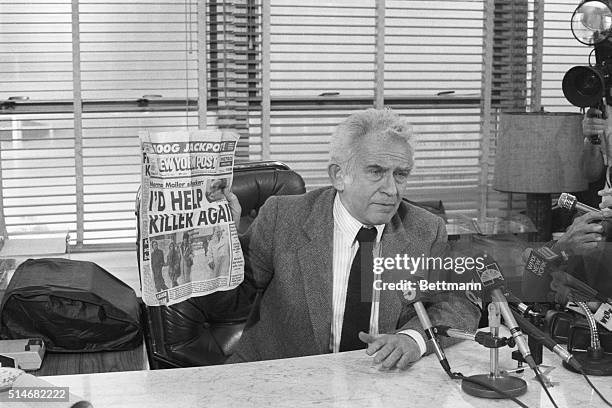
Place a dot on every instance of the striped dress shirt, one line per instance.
(345, 248)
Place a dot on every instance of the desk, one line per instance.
(86, 363)
(338, 380)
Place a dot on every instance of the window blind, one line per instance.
(511, 83)
(129, 51)
(435, 49)
(82, 77)
(134, 65)
(321, 67)
(36, 149)
(96, 72)
(323, 63)
(561, 52)
(234, 68)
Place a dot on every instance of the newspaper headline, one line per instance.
(189, 243)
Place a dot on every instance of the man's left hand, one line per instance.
(392, 349)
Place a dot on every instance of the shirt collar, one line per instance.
(348, 225)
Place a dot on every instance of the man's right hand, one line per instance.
(584, 234)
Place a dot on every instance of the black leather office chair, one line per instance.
(203, 330)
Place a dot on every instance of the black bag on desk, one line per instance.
(74, 306)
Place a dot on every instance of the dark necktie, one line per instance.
(359, 292)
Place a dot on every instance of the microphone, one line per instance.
(602, 313)
(539, 263)
(493, 282)
(524, 308)
(537, 334)
(594, 361)
(569, 202)
(542, 277)
(429, 331)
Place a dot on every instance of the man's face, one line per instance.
(372, 188)
(154, 245)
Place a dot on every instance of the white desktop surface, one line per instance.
(331, 380)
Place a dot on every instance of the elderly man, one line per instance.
(311, 255)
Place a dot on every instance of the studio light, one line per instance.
(588, 86)
(592, 21)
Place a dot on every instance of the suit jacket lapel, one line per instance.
(315, 261)
(395, 240)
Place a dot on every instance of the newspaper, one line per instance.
(188, 241)
(29, 391)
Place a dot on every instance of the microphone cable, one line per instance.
(524, 324)
(595, 389)
(594, 343)
(540, 378)
(578, 368)
(515, 330)
(459, 376)
(541, 381)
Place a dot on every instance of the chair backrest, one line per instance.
(203, 330)
(254, 182)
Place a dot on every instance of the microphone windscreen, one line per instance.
(535, 285)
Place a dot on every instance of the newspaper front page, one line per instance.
(188, 241)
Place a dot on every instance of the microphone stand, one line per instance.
(593, 361)
(513, 386)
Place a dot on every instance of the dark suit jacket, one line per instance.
(289, 257)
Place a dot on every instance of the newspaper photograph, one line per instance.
(188, 240)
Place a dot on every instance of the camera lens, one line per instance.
(587, 84)
(583, 86)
